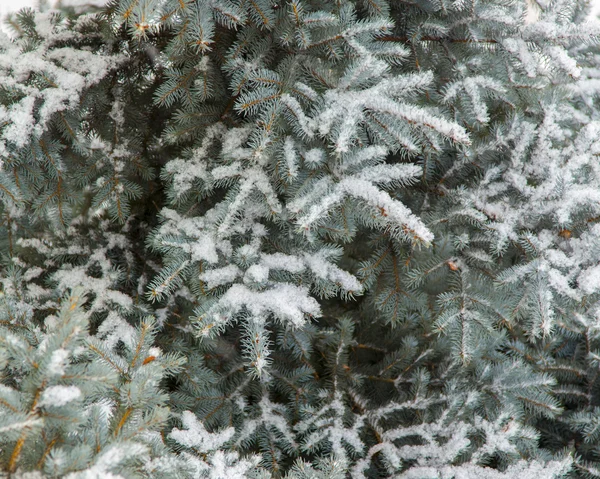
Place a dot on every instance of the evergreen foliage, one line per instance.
(300, 239)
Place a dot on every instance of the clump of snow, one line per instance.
(57, 396)
(58, 362)
(195, 435)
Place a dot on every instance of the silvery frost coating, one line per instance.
(301, 240)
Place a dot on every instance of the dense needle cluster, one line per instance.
(300, 239)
